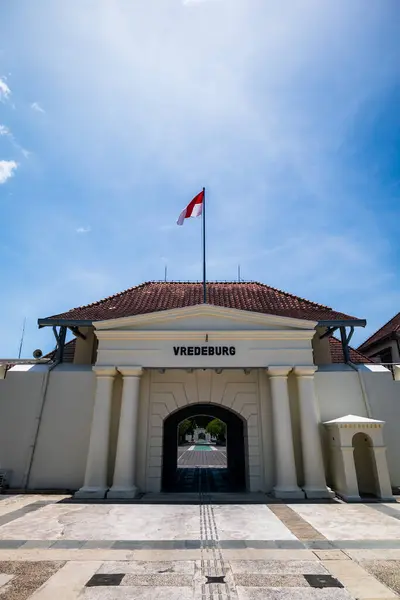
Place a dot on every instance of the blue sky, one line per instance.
(114, 114)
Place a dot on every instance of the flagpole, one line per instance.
(204, 248)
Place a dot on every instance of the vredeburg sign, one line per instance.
(204, 350)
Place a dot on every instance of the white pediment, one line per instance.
(205, 317)
(353, 419)
(205, 336)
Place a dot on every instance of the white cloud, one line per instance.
(4, 130)
(83, 229)
(4, 90)
(36, 106)
(259, 104)
(7, 168)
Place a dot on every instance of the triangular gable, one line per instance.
(206, 317)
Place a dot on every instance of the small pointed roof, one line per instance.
(353, 419)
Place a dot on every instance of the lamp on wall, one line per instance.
(218, 371)
(247, 371)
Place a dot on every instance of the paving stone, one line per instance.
(386, 571)
(387, 510)
(357, 580)
(323, 581)
(295, 523)
(127, 545)
(4, 579)
(21, 512)
(37, 544)
(257, 580)
(367, 544)
(319, 544)
(261, 544)
(97, 544)
(105, 579)
(27, 577)
(8, 544)
(331, 555)
(158, 580)
(278, 567)
(263, 593)
(138, 567)
(232, 544)
(289, 544)
(139, 593)
(67, 544)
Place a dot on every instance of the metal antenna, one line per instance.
(165, 272)
(22, 338)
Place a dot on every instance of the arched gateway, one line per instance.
(246, 368)
(236, 435)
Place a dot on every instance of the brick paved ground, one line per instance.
(52, 548)
(189, 457)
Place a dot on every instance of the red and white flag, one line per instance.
(193, 209)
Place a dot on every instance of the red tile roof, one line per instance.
(337, 353)
(335, 347)
(69, 352)
(392, 326)
(154, 296)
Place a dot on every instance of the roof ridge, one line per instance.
(294, 296)
(380, 329)
(134, 287)
(187, 282)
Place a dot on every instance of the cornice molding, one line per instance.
(199, 336)
(205, 310)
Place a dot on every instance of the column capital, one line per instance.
(278, 371)
(306, 371)
(104, 371)
(130, 371)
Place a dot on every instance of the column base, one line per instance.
(288, 493)
(323, 492)
(120, 493)
(349, 497)
(91, 492)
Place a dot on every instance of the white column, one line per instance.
(286, 477)
(95, 485)
(313, 464)
(124, 483)
(351, 492)
(382, 478)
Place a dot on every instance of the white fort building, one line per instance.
(306, 415)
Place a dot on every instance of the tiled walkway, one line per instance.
(53, 549)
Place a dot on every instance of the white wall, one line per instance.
(339, 392)
(20, 398)
(384, 400)
(60, 454)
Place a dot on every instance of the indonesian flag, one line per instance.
(193, 209)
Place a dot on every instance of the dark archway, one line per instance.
(236, 471)
(364, 463)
